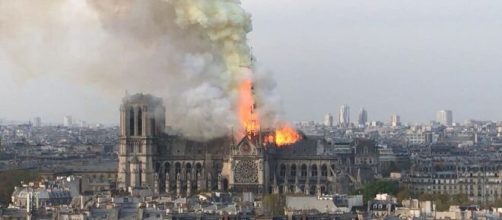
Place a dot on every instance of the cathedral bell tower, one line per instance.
(142, 121)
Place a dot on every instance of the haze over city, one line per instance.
(250, 109)
(409, 58)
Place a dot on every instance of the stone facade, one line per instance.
(446, 170)
(150, 158)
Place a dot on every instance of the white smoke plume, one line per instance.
(192, 53)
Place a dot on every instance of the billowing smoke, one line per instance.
(193, 53)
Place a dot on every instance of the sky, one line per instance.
(410, 58)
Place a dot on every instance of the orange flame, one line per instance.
(284, 135)
(247, 116)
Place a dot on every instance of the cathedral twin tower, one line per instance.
(153, 160)
(142, 122)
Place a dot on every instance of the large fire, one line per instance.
(284, 135)
(247, 116)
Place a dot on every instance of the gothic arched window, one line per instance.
(177, 169)
(140, 122)
(140, 173)
(304, 170)
(293, 170)
(314, 170)
(282, 171)
(188, 168)
(324, 170)
(198, 168)
(131, 122)
(152, 126)
(167, 168)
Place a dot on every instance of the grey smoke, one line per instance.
(141, 46)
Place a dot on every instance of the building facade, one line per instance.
(152, 159)
(443, 169)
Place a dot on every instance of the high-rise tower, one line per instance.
(344, 116)
(37, 122)
(328, 120)
(142, 121)
(67, 121)
(445, 117)
(395, 120)
(363, 117)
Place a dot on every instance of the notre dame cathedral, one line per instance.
(149, 158)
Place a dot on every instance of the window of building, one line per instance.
(166, 168)
(188, 168)
(131, 122)
(293, 170)
(177, 168)
(152, 126)
(324, 170)
(304, 170)
(140, 122)
(282, 170)
(314, 170)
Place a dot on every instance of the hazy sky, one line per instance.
(406, 57)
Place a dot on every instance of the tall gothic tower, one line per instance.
(142, 121)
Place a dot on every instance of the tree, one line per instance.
(9, 179)
(273, 204)
(404, 193)
(426, 197)
(442, 202)
(370, 190)
(459, 199)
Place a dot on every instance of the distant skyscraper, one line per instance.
(344, 115)
(395, 120)
(37, 122)
(328, 120)
(445, 117)
(363, 117)
(67, 121)
(83, 124)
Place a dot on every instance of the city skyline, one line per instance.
(443, 116)
(250, 109)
